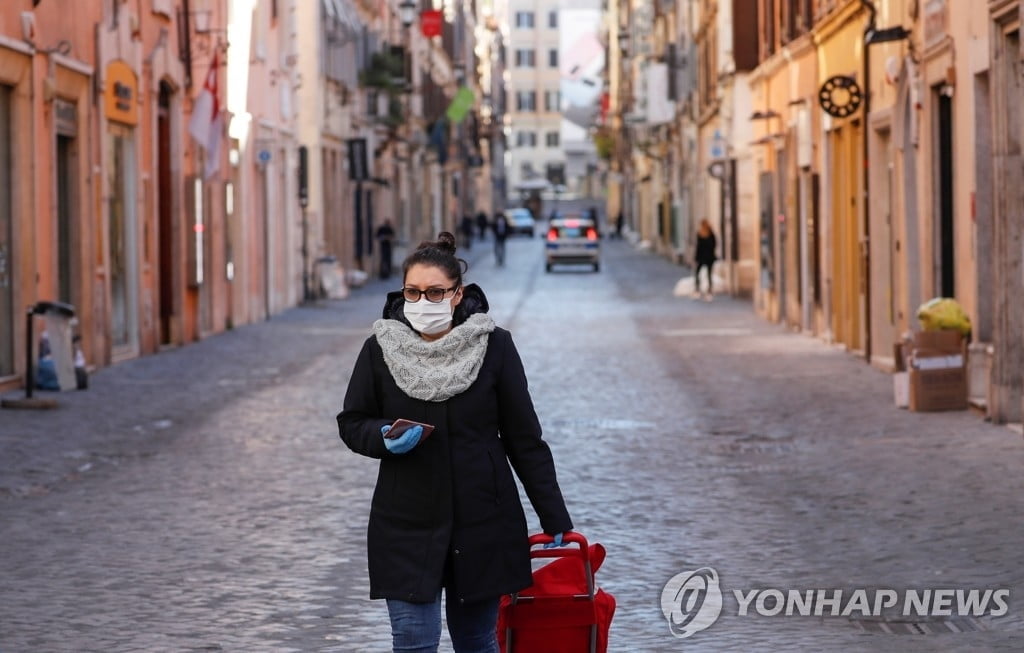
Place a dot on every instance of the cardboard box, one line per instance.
(937, 371)
(939, 342)
(938, 389)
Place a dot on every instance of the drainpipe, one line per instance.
(866, 258)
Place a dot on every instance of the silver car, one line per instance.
(572, 240)
(520, 221)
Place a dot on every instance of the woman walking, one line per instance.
(705, 257)
(445, 512)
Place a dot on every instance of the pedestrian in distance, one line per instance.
(385, 238)
(445, 513)
(620, 221)
(466, 229)
(705, 258)
(481, 224)
(500, 234)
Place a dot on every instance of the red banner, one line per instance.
(431, 22)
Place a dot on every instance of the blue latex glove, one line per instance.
(404, 442)
(557, 542)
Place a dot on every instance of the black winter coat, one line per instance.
(447, 513)
(706, 249)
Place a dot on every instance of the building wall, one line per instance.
(19, 252)
(1005, 394)
(540, 79)
(110, 208)
(66, 244)
(272, 154)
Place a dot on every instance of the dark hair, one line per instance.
(440, 254)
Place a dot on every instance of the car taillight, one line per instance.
(591, 234)
(552, 234)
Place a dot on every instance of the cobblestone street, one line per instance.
(200, 499)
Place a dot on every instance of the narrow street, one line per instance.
(200, 499)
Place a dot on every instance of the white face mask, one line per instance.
(429, 317)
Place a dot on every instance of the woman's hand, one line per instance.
(404, 442)
(556, 542)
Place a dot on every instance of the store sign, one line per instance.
(431, 22)
(358, 170)
(120, 93)
(65, 118)
(840, 96)
(643, 30)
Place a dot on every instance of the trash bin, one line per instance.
(330, 278)
(56, 349)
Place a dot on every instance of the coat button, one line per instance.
(462, 601)
(456, 552)
(412, 596)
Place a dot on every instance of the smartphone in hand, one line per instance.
(402, 425)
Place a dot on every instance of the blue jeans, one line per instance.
(417, 626)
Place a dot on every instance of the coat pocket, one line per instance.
(403, 493)
(495, 479)
(503, 482)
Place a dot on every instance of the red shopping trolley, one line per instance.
(563, 611)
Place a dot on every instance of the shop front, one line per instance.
(17, 209)
(120, 187)
(840, 67)
(7, 312)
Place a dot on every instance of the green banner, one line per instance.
(461, 104)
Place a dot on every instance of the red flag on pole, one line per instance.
(206, 124)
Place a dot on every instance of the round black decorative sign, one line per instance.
(840, 96)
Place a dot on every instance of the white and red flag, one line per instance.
(206, 124)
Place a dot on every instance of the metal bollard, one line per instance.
(30, 368)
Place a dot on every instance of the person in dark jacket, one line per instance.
(385, 237)
(466, 227)
(482, 223)
(705, 257)
(445, 512)
(501, 229)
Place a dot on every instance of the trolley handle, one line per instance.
(571, 537)
(582, 551)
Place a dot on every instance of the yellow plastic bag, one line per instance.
(943, 313)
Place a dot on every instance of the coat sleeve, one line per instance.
(526, 450)
(360, 420)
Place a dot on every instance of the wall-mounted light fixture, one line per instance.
(407, 12)
(202, 18)
(886, 35)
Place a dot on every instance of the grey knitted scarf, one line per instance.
(434, 370)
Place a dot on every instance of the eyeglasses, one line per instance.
(433, 295)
